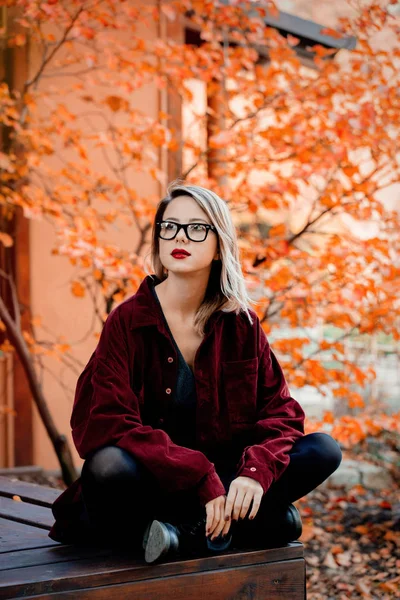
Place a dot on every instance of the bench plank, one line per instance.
(18, 536)
(275, 581)
(124, 567)
(28, 492)
(54, 553)
(23, 512)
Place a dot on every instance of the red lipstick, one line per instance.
(179, 253)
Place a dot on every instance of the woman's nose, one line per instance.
(181, 237)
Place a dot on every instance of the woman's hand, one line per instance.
(221, 510)
(216, 517)
(242, 491)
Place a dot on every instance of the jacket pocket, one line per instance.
(240, 385)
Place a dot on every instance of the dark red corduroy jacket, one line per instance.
(122, 398)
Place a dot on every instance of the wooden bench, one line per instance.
(34, 566)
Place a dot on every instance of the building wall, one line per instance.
(62, 312)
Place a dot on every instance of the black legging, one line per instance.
(121, 496)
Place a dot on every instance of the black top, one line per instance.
(180, 423)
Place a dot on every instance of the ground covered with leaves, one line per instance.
(352, 543)
(351, 538)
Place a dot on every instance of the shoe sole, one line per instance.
(146, 535)
(158, 542)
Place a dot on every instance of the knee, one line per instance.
(110, 465)
(325, 449)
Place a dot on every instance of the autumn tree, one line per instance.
(308, 145)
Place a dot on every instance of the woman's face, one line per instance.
(184, 209)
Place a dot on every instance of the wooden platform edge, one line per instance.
(124, 568)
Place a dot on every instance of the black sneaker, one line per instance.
(188, 539)
(287, 526)
(295, 525)
(283, 526)
(159, 540)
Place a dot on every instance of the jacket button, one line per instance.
(170, 359)
(168, 391)
(253, 469)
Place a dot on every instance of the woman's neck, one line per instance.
(181, 296)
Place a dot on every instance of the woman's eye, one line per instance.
(197, 227)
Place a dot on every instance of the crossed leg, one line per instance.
(120, 496)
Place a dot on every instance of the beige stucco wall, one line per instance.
(62, 313)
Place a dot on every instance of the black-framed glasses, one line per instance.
(196, 232)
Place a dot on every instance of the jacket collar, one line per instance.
(145, 310)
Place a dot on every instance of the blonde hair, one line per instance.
(226, 288)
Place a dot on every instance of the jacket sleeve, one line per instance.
(280, 421)
(106, 412)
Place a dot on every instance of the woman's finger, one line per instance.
(226, 527)
(217, 514)
(218, 530)
(230, 500)
(221, 524)
(256, 505)
(246, 503)
(210, 517)
(238, 503)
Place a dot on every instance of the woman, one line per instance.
(190, 437)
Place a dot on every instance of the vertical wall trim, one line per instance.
(20, 261)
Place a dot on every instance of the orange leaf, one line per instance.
(321, 51)
(331, 32)
(118, 297)
(361, 529)
(356, 400)
(390, 586)
(308, 533)
(116, 103)
(6, 240)
(350, 170)
(292, 41)
(77, 289)
(328, 417)
(87, 32)
(18, 40)
(277, 230)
